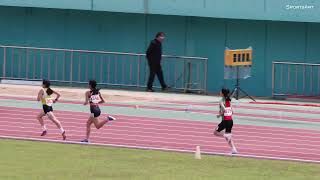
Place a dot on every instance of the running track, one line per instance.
(168, 134)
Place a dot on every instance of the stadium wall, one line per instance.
(283, 10)
(190, 36)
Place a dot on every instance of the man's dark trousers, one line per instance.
(155, 69)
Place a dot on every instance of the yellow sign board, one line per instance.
(238, 57)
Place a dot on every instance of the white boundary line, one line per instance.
(220, 144)
(159, 149)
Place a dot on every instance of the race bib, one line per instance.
(95, 99)
(49, 101)
(228, 111)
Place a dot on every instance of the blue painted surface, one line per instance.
(277, 10)
(60, 4)
(132, 6)
(191, 36)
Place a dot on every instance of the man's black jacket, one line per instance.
(154, 52)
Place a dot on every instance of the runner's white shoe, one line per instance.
(234, 151)
(110, 118)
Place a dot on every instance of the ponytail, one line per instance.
(49, 91)
(46, 84)
(226, 94)
(95, 91)
(93, 87)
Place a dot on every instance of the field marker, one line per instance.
(197, 154)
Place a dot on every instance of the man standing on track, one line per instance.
(154, 54)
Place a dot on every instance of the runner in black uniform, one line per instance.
(94, 98)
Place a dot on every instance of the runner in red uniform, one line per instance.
(227, 121)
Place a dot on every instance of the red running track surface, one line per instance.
(168, 134)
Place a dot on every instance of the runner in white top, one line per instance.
(44, 95)
(94, 98)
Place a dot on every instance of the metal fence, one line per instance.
(108, 68)
(296, 79)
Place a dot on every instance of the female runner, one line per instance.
(94, 98)
(44, 95)
(227, 122)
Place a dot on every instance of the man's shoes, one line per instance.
(163, 89)
(149, 90)
(166, 89)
